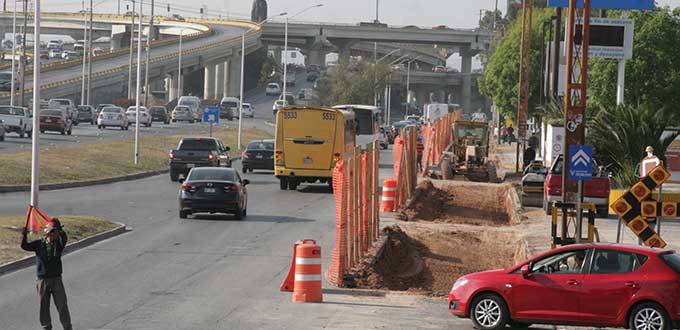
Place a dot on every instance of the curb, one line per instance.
(56, 186)
(30, 260)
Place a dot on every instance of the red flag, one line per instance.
(36, 220)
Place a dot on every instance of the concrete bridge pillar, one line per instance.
(466, 70)
(225, 79)
(278, 55)
(209, 81)
(234, 76)
(171, 85)
(219, 80)
(344, 48)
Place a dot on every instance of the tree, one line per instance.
(653, 75)
(353, 83)
(501, 79)
(487, 22)
(620, 135)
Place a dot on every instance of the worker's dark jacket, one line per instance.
(47, 256)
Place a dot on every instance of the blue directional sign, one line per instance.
(608, 4)
(211, 115)
(580, 162)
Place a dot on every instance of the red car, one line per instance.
(595, 191)
(594, 285)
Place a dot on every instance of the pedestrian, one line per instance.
(48, 252)
(511, 134)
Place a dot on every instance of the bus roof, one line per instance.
(358, 106)
(345, 113)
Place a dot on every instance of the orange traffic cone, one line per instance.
(304, 276)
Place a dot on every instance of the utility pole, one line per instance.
(149, 37)
(14, 55)
(179, 66)
(35, 146)
(524, 81)
(84, 78)
(89, 57)
(138, 84)
(556, 52)
(132, 42)
(377, 11)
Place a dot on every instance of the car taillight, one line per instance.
(172, 156)
(188, 188)
(279, 158)
(211, 157)
(230, 188)
(244, 155)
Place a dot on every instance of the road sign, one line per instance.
(211, 115)
(580, 162)
(608, 4)
(610, 37)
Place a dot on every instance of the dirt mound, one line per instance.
(426, 259)
(397, 266)
(480, 204)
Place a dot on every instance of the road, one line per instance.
(86, 133)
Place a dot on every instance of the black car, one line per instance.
(259, 155)
(198, 152)
(159, 113)
(213, 190)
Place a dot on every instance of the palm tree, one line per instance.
(621, 133)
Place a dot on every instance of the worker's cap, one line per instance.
(649, 149)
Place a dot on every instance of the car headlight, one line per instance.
(459, 283)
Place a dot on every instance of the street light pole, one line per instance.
(138, 84)
(285, 58)
(148, 52)
(14, 54)
(408, 85)
(35, 148)
(89, 56)
(240, 105)
(179, 67)
(24, 63)
(132, 42)
(83, 81)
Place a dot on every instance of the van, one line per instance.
(230, 107)
(309, 142)
(194, 104)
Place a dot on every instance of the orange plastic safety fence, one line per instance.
(339, 257)
(364, 202)
(397, 149)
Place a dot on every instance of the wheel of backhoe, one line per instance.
(493, 173)
(447, 172)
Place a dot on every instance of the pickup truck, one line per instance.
(66, 104)
(595, 191)
(197, 152)
(17, 119)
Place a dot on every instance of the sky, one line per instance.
(452, 13)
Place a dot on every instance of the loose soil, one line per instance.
(427, 258)
(77, 228)
(476, 204)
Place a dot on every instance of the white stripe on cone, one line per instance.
(308, 261)
(389, 189)
(305, 278)
(387, 198)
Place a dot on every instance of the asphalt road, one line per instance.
(86, 133)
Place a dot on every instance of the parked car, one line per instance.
(17, 120)
(159, 113)
(229, 107)
(312, 76)
(144, 116)
(70, 54)
(194, 103)
(198, 152)
(55, 44)
(79, 45)
(66, 104)
(3, 130)
(248, 110)
(55, 120)
(278, 104)
(593, 285)
(182, 113)
(259, 155)
(272, 89)
(86, 114)
(113, 116)
(213, 190)
(6, 81)
(595, 191)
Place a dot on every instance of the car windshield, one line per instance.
(672, 260)
(50, 113)
(246, 106)
(230, 104)
(82, 108)
(111, 110)
(261, 145)
(157, 110)
(273, 86)
(210, 174)
(60, 102)
(11, 111)
(188, 102)
(198, 144)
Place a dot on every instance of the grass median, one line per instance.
(77, 228)
(104, 159)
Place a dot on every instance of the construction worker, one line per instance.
(48, 262)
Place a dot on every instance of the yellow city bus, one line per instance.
(309, 141)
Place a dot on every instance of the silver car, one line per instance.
(183, 113)
(113, 116)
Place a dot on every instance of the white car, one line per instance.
(144, 116)
(278, 104)
(113, 116)
(272, 89)
(182, 113)
(17, 119)
(248, 110)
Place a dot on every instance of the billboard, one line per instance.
(608, 4)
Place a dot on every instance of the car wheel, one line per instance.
(244, 170)
(183, 214)
(21, 134)
(43, 132)
(63, 132)
(174, 120)
(489, 312)
(2, 137)
(547, 207)
(174, 177)
(648, 316)
(69, 131)
(150, 123)
(122, 128)
(92, 122)
(283, 183)
(238, 215)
